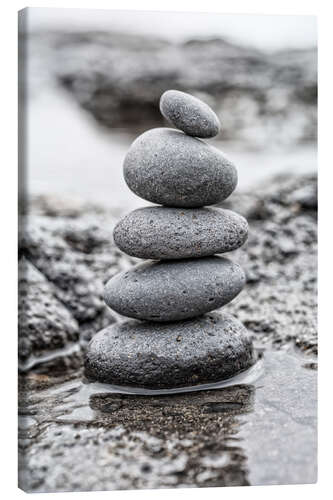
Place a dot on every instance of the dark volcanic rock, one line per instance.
(280, 261)
(76, 437)
(279, 258)
(208, 349)
(48, 333)
(174, 290)
(167, 167)
(74, 257)
(189, 114)
(171, 233)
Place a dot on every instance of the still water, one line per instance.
(259, 430)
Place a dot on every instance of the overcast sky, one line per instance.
(262, 31)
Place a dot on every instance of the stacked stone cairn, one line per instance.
(174, 340)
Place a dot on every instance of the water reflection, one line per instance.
(252, 433)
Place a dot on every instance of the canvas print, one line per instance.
(167, 250)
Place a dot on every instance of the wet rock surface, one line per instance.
(206, 349)
(170, 233)
(167, 167)
(174, 290)
(258, 433)
(261, 432)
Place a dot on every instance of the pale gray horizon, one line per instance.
(266, 32)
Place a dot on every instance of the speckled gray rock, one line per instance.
(167, 167)
(207, 349)
(174, 290)
(177, 233)
(189, 114)
(48, 333)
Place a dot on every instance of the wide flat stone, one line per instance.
(153, 355)
(176, 233)
(174, 290)
(189, 114)
(167, 167)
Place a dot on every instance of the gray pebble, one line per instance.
(174, 290)
(177, 233)
(189, 114)
(167, 167)
(211, 348)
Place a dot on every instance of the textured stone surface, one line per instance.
(167, 167)
(185, 353)
(189, 114)
(175, 233)
(174, 290)
(279, 258)
(280, 262)
(261, 432)
(75, 256)
(48, 334)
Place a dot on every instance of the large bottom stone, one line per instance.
(163, 356)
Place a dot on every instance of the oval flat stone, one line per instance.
(207, 349)
(167, 167)
(189, 114)
(173, 290)
(177, 233)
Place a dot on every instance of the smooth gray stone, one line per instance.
(177, 233)
(211, 348)
(189, 114)
(173, 290)
(167, 167)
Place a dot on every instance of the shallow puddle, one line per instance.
(257, 428)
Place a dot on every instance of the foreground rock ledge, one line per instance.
(162, 356)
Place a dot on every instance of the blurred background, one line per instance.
(92, 80)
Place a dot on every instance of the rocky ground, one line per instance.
(69, 257)
(211, 438)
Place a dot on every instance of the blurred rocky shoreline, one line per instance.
(262, 98)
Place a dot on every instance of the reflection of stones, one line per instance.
(209, 438)
(181, 413)
(179, 440)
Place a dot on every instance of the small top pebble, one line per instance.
(189, 114)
